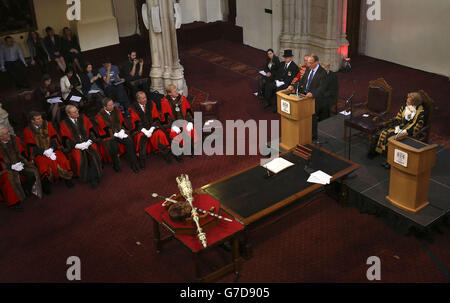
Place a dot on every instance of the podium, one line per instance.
(411, 162)
(296, 119)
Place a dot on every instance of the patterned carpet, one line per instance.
(223, 61)
(196, 96)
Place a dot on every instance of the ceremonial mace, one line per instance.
(185, 187)
(155, 195)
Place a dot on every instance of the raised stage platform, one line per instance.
(369, 185)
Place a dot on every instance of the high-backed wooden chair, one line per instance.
(210, 111)
(374, 111)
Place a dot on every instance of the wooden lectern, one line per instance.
(411, 162)
(296, 118)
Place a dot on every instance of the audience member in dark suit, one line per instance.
(53, 44)
(38, 52)
(331, 92)
(46, 91)
(270, 68)
(12, 60)
(287, 71)
(132, 71)
(313, 84)
(71, 49)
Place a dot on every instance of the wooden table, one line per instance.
(249, 195)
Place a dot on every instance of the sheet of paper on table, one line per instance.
(75, 98)
(93, 91)
(319, 177)
(54, 100)
(278, 164)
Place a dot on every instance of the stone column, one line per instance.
(315, 27)
(166, 68)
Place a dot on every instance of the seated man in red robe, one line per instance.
(149, 135)
(44, 147)
(78, 137)
(175, 106)
(18, 177)
(115, 135)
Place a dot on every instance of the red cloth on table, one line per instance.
(217, 233)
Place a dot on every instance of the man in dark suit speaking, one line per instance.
(313, 84)
(287, 71)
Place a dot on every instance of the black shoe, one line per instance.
(274, 110)
(95, 183)
(69, 183)
(178, 158)
(267, 105)
(167, 158)
(17, 207)
(46, 187)
(135, 168)
(142, 163)
(116, 165)
(117, 168)
(27, 192)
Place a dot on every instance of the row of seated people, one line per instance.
(92, 85)
(80, 148)
(311, 79)
(75, 80)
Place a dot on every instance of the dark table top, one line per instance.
(250, 194)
